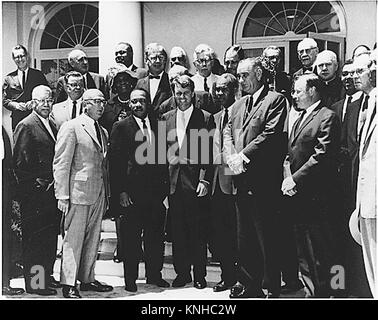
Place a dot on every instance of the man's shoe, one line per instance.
(161, 283)
(181, 281)
(200, 284)
(117, 259)
(131, 287)
(293, 286)
(54, 284)
(9, 291)
(42, 292)
(239, 291)
(95, 286)
(222, 286)
(70, 292)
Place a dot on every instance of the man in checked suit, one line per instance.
(140, 189)
(18, 85)
(157, 82)
(72, 107)
(254, 143)
(33, 155)
(78, 61)
(309, 178)
(223, 208)
(189, 140)
(81, 188)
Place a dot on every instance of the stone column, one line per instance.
(119, 21)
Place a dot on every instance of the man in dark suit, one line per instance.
(33, 157)
(18, 85)
(124, 54)
(190, 175)
(78, 61)
(157, 82)
(223, 207)
(255, 147)
(307, 51)
(140, 189)
(309, 178)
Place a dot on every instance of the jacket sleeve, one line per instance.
(64, 154)
(8, 102)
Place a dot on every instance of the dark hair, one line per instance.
(349, 61)
(126, 44)
(236, 48)
(18, 47)
(145, 92)
(75, 74)
(132, 80)
(313, 80)
(232, 81)
(183, 81)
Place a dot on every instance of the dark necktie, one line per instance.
(248, 109)
(363, 116)
(81, 108)
(73, 116)
(145, 131)
(23, 80)
(205, 86)
(296, 125)
(98, 133)
(225, 118)
(154, 77)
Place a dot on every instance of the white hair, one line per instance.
(326, 54)
(308, 42)
(203, 48)
(40, 91)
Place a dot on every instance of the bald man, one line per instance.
(81, 188)
(33, 155)
(78, 61)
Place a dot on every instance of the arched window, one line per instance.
(284, 24)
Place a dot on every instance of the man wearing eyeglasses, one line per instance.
(203, 60)
(78, 61)
(81, 188)
(72, 107)
(307, 51)
(18, 85)
(157, 82)
(35, 138)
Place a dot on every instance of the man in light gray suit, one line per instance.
(81, 188)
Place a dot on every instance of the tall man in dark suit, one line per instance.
(33, 157)
(157, 82)
(78, 61)
(309, 177)
(189, 157)
(140, 189)
(18, 85)
(255, 146)
(223, 207)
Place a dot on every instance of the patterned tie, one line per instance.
(205, 86)
(23, 80)
(73, 115)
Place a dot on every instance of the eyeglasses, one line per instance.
(136, 100)
(202, 61)
(20, 56)
(121, 52)
(45, 101)
(155, 58)
(99, 102)
(347, 73)
(177, 58)
(359, 71)
(307, 51)
(75, 85)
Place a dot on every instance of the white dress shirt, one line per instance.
(148, 124)
(19, 75)
(46, 123)
(154, 85)
(371, 103)
(182, 120)
(199, 81)
(355, 97)
(78, 106)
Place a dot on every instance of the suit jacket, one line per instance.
(333, 91)
(201, 100)
(367, 174)
(126, 173)
(222, 173)
(33, 154)
(60, 113)
(191, 164)
(112, 111)
(80, 163)
(261, 139)
(313, 153)
(163, 92)
(13, 92)
(94, 81)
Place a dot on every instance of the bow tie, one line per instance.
(154, 77)
(307, 69)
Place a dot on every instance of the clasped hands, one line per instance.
(289, 187)
(235, 162)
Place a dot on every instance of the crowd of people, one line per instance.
(261, 167)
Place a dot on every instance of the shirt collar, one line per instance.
(139, 120)
(311, 108)
(45, 121)
(257, 94)
(88, 118)
(187, 111)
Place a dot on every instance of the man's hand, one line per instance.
(125, 200)
(235, 162)
(20, 106)
(201, 189)
(63, 205)
(289, 187)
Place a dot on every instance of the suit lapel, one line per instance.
(89, 129)
(90, 82)
(43, 128)
(307, 121)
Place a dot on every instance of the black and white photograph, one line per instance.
(214, 151)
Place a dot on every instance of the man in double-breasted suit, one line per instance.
(18, 85)
(81, 188)
(33, 156)
(157, 82)
(78, 61)
(139, 189)
(309, 177)
(189, 141)
(255, 145)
